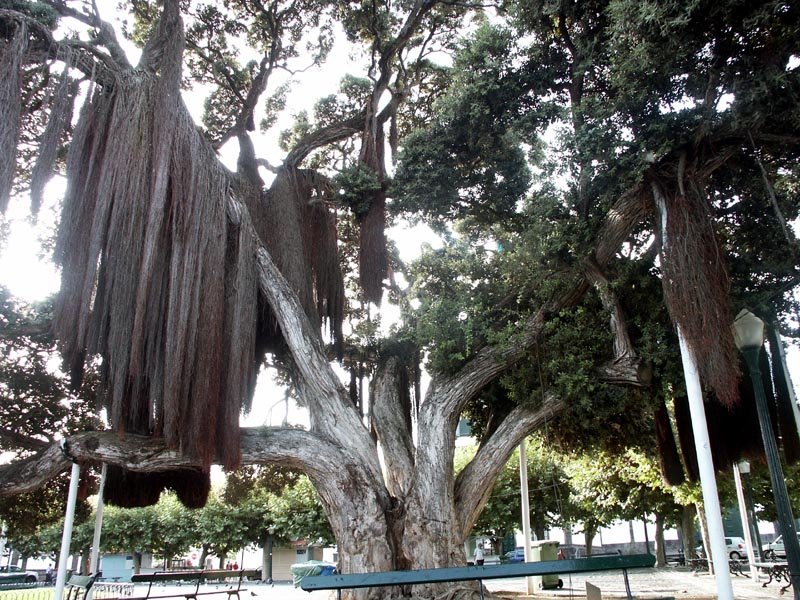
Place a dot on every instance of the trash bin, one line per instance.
(312, 567)
(544, 550)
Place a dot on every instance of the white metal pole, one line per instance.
(526, 509)
(98, 522)
(746, 525)
(69, 519)
(708, 477)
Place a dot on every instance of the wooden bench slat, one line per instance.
(389, 578)
(167, 576)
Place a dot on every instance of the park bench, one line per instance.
(679, 558)
(195, 579)
(777, 571)
(479, 573)
(735, 566)
(78, 586)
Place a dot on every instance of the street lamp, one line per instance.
(271, 532)
(748, 333)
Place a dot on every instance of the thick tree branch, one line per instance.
(294, 448)
(625, 368)
(87, 59)
(388, 415)
(453, 392)
(104, 31)
(474, 484)
(331, 411)
(623, 348)
(322, 137)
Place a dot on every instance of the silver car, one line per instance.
(13, 574)
(734, 545)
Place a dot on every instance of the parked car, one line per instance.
(13, 574)
(735, 546)
(515, 556)
(775, 548)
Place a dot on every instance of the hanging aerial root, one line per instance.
(11, 55)
(61, 108)
(696, 287)
(155, 278)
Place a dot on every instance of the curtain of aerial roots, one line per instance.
(696, 291)
(11, 54)
(300, 233)
(60, 107)
(155, 278)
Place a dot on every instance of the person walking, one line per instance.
(479, 554)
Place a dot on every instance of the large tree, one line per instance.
(179, 275)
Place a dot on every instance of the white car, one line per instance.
(735, 546)
(775, 548)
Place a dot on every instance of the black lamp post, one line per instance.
(748, 331)
(271, 531)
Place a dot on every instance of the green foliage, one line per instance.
(131, 530)
(222, 528)
(35, 407)
(35, 402)
(246, 480)
(298, 513)
(41, 11)
(460, 294)
(625, 486)
(355, 184)
(468, 161)
(548, 491)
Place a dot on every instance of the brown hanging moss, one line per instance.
(156, 278)
(372, 257)
(669, 459)
(61, 107)
(299, 230)
(373, 261)
(11, 55)
(696, 289)
(130, 489)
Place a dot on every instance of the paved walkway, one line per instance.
(648, 584)
(670, 582)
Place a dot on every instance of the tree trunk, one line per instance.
(137, 563)
(661, 550)
(589, 532)
(687, 532)
(203, 556)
